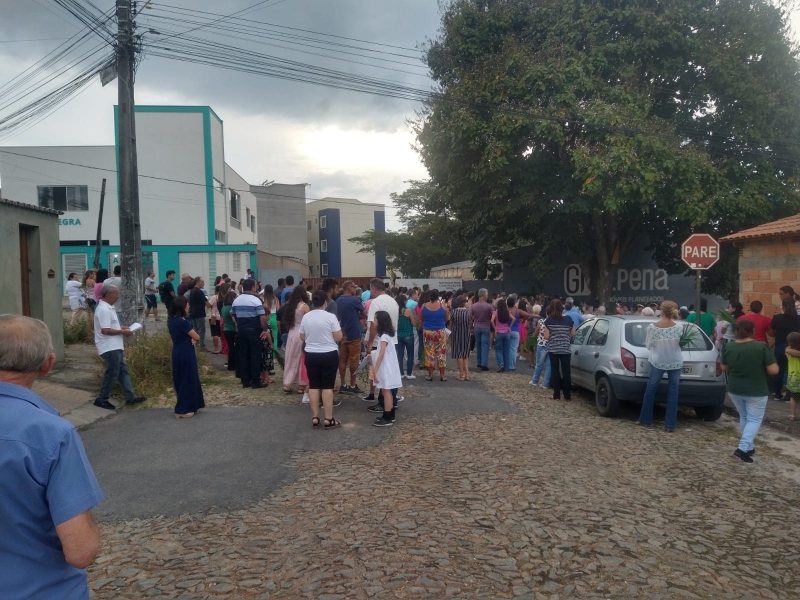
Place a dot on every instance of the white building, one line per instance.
(197, 214)
(330, 223)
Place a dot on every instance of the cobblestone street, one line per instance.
(550, 501)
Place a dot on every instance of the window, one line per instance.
(323, 222)
(237, 261)
(65, 197)
(217, 185)
(309, 224)
(310, 247)
(235, 206)
(323, 245)
(253, 223)
(599, 334)
(324, 268)
(220, 236)
(583, 331)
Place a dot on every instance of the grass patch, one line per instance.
(149, 359)
(783, 438)
(80, 332)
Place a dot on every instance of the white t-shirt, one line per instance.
(319, 326)
(386, 303)
(389, 376)
(116, 282)
(105, 317)
(149, 283)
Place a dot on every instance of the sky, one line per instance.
(343, 143)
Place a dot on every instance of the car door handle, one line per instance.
(576, 353)
(597, 355)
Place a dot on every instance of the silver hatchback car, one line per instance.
(609, 358)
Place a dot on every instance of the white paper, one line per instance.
(447, 332)
(135, 327)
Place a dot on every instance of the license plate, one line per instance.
(687, 371)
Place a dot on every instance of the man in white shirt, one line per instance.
(151, 299)
(381, 301)
(108, 334)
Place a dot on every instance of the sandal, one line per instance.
(442, 378)
(429, 379)
(791, 417)
(315, 422)
(287, 390)
(331, 424)
(460, 378)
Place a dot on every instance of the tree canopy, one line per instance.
(574, 126)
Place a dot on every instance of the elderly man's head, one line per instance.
(483, 294)
(110, 293)
(26, 349)
(377, 286)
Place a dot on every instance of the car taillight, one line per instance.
(719, 368)
(628, 360)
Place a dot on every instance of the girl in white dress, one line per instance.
(385, 372)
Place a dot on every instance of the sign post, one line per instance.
(700, 252)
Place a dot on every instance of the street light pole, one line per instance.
(130, 236)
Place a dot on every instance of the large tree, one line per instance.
(574, 126)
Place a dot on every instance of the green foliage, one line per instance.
(81, 332)
(149, 358)
(724, 315)
(690, 337)
(575, 126)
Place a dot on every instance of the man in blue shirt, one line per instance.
(287, 291)
(47, 488)
(350, 310)
(573, 313)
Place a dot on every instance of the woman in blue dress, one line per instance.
(185, 376)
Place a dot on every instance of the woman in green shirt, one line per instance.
(229, 329)
(749, 364)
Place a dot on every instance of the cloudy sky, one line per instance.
(343, 143)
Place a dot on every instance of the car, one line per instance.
(609, 358)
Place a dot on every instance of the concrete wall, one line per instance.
(281, 219)
(248, 206)
(43, 256)
(279, 263)
(765, 265)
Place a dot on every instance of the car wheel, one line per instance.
(709, 413)
(605, 399)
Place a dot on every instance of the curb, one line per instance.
(85, 415)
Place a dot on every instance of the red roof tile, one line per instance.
(787, 226)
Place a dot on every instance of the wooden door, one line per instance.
(24, 271)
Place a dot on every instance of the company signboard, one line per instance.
(447, 285)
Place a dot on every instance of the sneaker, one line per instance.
(354, 389)
(744, 456)
(410, 376)
(400, 399)
(158, 320)
(368, 398)
(484, 369)
(376, 408)
(751, 452)
(344, 390)
(402, 376)
(104, 404)
(306, 398)
(500, 369)
(381, 422)
(137, 400)
(336, 403)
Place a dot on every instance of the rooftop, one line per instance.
(49, 211)
(787, 226)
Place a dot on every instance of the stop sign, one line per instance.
(700, 251)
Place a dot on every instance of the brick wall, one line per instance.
(765, 265)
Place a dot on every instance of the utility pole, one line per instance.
(100, 226)
(130, 235)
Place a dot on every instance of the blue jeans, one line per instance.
(116, 370)
(542, 362)
(673, 381)
(513, 346)
(502, 343)
(783, 367)
(482, 337)
(751, 412)
(407, 344)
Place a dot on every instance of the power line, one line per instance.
(224, 17)
(33, 40)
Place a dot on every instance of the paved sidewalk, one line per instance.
(776, 416)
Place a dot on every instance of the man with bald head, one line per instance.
(47, 488)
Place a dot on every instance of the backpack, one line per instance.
(162, 289)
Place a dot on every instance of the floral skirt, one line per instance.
(267, 360)
(435, 343)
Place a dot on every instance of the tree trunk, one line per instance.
(605, 233)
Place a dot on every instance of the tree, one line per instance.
(574, 126)
(430, 237)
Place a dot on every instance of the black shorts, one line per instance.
(152, 301)
(215, 331)
(322, 368)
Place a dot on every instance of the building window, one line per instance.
(253, 223)
(220, 236)
(217, 184)
(323, 222)
(237, 261)
(310, 247)
(309, 224)
(324, 269)
(247, 216)
(236, 210)
(323, 245)
(66, 198)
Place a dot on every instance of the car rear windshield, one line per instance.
(693, 339)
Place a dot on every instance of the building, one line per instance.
(330, 224)
(769, 258)
(197, 214)
(282, 219)
(29, 260)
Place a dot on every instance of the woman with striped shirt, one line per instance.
(560, 329)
